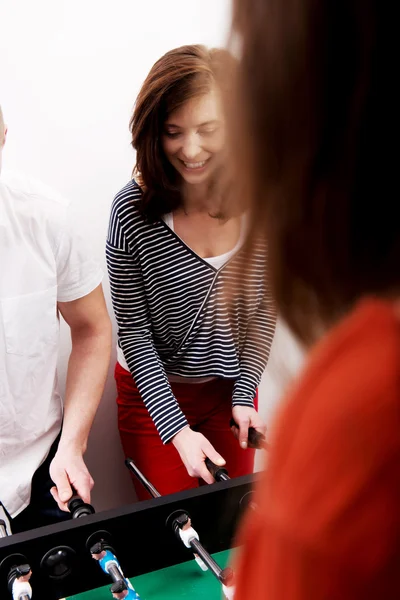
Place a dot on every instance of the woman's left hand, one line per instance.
(246, 417)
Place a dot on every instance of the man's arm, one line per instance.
(90, 327)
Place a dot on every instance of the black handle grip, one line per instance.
(256, 439)
(219, 473)
(78, 508)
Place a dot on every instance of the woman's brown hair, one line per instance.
(178, 76)
(2, 126)
(319, 127)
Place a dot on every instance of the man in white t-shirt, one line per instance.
(45, 270)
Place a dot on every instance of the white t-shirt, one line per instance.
(43, 260)
(215, 261)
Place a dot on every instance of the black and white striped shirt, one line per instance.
(176, 316)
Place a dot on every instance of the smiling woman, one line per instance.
(188, 360)
(180, 105)
(193, 138)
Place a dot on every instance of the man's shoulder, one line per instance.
(31, 195)
(41, 213)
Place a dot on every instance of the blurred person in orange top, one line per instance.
(318, 119)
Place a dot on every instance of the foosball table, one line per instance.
(175, 546)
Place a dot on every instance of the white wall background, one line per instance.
(69, 73)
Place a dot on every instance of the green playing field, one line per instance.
(182, 581)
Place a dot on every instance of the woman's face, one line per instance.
(193, 138)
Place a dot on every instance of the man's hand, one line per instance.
(68, 470)
(246, 417)
(193, 449)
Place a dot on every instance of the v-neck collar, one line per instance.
(234, 251)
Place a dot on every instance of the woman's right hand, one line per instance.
(193, 449)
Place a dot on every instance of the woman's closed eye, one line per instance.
(172, 134)
(208, 131)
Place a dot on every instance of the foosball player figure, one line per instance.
(182, 526)
(188, 531)
(122, 587)
(18, 582)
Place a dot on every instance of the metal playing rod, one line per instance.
(3, 529)
(143, 480)
(115, 573)
(208, 559)
(78, 509)
(223, 575)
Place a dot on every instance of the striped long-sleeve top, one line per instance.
(178, 315)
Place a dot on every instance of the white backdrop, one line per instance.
(69, 73)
